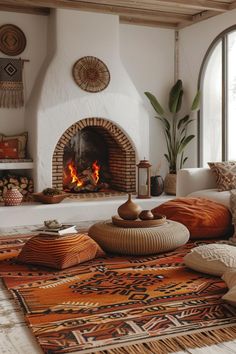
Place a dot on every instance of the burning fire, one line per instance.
(71, 175)
(95, 169)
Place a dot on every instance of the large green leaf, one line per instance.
(185, 142)
(179, 103)
(167, 157)
(155, 104)
(196, 101)
(165, 122)
(174, 96)
(183, 120)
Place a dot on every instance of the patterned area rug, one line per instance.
(119, 304)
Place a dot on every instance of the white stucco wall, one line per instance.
(148, 56)
(193, 44)
(12, 120)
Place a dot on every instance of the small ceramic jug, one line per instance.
(12, 197)
(129, 210)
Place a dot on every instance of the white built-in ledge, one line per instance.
(70, 210)
(11, 164)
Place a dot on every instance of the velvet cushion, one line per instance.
(225, 173)
(59, 252)
(204, 218)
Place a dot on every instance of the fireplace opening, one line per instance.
(94, 157)
(86, 163)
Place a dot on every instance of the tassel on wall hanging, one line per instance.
(11, 83)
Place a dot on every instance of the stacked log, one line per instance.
(86, 182)
(22, 183)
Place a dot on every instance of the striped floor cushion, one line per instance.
(59, 252)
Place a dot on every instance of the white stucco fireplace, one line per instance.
(57, 102)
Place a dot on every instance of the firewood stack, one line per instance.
(24, 185)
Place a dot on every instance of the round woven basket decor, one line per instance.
(91, 74)
(12, 40)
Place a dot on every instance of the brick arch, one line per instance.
(122, 161)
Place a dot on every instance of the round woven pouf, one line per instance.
(139, 241)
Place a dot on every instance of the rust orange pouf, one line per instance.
(204, 218)
(59, 252)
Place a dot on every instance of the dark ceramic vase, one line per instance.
(157, 185)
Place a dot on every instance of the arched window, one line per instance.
(217, 124)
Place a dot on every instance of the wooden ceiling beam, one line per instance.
(149, 23)
(193, 4)
(200, 5)
(137, 15)
(201, 16)
(24, 9)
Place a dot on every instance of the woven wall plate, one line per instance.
(91, 74)
(12, 40)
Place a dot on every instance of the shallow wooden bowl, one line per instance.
(49, 199)
(157, 221)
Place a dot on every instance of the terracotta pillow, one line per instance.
(225, 173)
(22, 141)
(59, 252)
(204, 218)
(9, 149)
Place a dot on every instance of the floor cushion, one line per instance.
(59, 252)
(212, 259)
(204, 218)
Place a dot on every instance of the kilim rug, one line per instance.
(118, 305)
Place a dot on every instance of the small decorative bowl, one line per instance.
(49, 199)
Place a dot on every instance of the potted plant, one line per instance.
(175, 129)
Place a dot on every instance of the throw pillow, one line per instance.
(225, 173)
(204, 218)
(212, 259)
(9, 149)
(22, 141)
(59, 252)
(230, 278)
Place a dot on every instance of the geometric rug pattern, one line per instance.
(118, 304)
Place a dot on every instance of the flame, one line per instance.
(72, 175)
(96, 169)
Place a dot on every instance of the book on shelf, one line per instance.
(62, 230)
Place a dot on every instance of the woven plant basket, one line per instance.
(170, 184)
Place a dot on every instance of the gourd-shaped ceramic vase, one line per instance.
(146, 215)
(12, 197)
(129, 210)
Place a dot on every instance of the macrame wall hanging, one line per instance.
(11, 83)
(12, 43)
